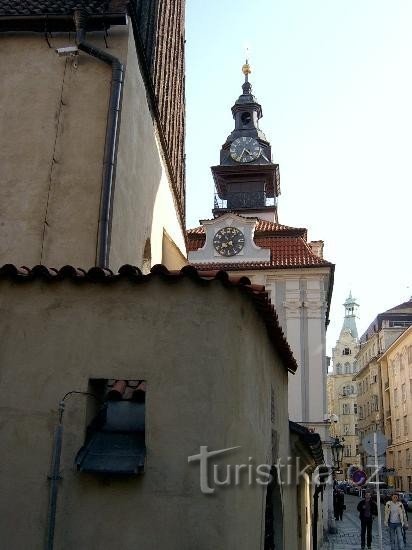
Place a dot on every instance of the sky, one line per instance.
(334, 78)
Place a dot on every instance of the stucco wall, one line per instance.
(53, 120)
(209, 365)
(143, 206)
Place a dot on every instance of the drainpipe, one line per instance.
(54, 479)
(112, 136)
(55, 470)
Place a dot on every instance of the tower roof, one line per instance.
(349, 321)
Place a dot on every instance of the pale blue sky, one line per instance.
(334, 78)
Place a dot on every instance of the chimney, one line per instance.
(317, 248)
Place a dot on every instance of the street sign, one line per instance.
(381, 443)
(359, 477)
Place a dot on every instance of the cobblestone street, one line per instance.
(348, 536)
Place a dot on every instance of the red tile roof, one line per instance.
(256, 293)
(288, 248)
(262, 226)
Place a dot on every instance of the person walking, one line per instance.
(340, 504)
(395, 520)
(367, 508)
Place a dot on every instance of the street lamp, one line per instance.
(337, 452)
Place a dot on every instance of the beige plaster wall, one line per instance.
(51, 150)
(209, 366)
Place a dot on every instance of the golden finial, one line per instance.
(246, 68)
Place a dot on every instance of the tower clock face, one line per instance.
(245, 149)
(229, 241)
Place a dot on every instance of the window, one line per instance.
(398, 427)
(399, 324)
(346, 408)
(400, 459)
(360, 412)
(356, 432)
(338, 368)
(115, 439)
(347, 451)
(348, 368)
(360, 388)
(346, 351)
(396, 397)
(346, 429)
(355, 408)
(403, 390)
(408, 458)
(357, 449)
(401, 362)
(405, 425)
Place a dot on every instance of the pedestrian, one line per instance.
(367, 508)
(340, 504)
(405, 507)
(395, 520)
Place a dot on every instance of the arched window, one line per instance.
(348, 368)
(338, 368)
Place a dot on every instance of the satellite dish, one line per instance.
(381, 444)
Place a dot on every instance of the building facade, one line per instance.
(342, 391)
(245, 237)
(92, 146)
(381, 334)
(396, 373)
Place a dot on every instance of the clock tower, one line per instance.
(246, 180)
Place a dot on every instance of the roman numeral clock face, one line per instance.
(229, 241)
(245, 149)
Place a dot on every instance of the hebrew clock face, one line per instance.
(245, 149)
(229, 241)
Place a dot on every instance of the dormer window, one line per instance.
(346, 351)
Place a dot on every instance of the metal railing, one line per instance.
(236, 200)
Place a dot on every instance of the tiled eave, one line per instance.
(96, 275)
(310, 440)
(57, 15)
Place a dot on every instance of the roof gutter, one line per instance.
(112, 137)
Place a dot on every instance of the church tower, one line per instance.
(244, 236)
(246, 180)
(342, 397)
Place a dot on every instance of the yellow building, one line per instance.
(377, 339)
(396, 371)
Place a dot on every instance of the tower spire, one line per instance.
(246, 86)
(351, 310)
